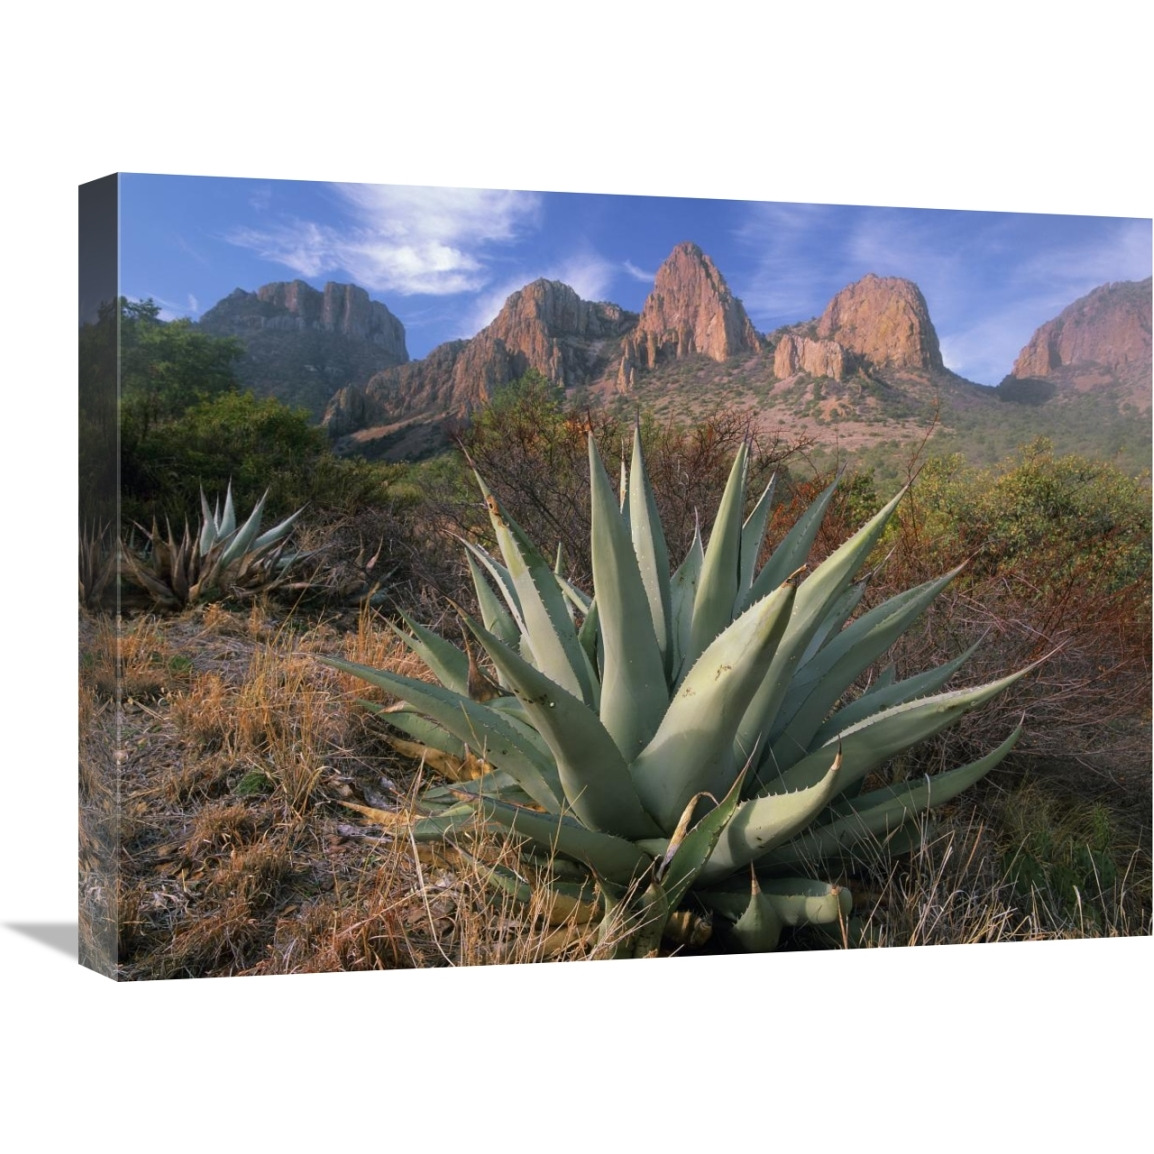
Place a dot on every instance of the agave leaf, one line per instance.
(575, 902)
(839, 613)
(593, 774)
(881, 812)
(651, 917)
(752, 537)
(181, 564)
(651, 550)
(485, 730)
(159, 590)
(588, 635)
(495, 783)
(886, 692)
(226, 523)
(576, 598)
(420, 729)
(546, 620)
(634, 694)
(682, 594)
(869, 743)
(815, 596)
(717, 588)
(245, 535)
(496, 617)
(819, 685)
(758, 930)
(791, 554)
(271, 536)
(208, 533)
(614, 858)
(684, 861)
(559, 577)
(437, 827)
(691, 750)
(611, 941)
(448, 664)
(796, 901)
(761, 823)
(501, 577)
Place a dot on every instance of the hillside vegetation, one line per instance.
(258, 820)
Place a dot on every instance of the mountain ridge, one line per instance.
(868, 368)
(302, 344)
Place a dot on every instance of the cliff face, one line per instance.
(340, 308)
(885, 321)
(1101, 339)
(545, 326)
(690, 310)
(302, 344)
(795, 354)
(297, 307)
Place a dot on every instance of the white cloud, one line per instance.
(588, 274)
(1084, 264)
(639, 273)
(401, 240)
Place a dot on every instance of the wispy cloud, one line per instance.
(1084, 262)
(639, 273)
(401, 240)
(793, 258)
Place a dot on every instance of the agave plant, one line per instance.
(98, 554)
(687, 741)
(224, 558)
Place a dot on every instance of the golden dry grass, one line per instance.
(245, 790)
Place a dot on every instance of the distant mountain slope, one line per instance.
(303, 344)
(544, 326)
(1100, 343)
(865, 374)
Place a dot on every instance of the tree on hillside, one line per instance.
(187, 425)
(166, 367)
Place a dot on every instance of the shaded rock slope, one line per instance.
(1101, 342)
(302, 344)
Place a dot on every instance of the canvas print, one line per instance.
(476, 577)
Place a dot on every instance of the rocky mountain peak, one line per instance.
(302, 344)
(544, 326)
(1102, 338)
(295, 306)
(883, 320)
(690, 310)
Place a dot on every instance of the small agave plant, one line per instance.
(223, 557)
(681, 749)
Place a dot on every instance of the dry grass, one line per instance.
(962, 884)
(229, 772)
(238, 750)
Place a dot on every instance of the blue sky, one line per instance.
(444, 260)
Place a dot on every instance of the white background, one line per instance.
(993, 106)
